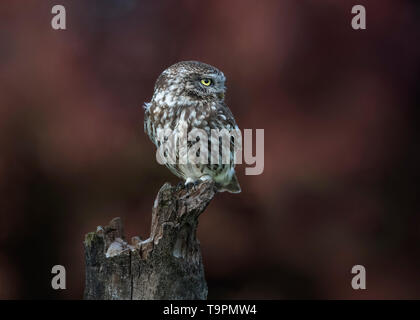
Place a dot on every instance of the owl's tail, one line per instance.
(232, 187)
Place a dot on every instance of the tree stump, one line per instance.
(168, 265)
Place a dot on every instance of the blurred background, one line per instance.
(339, 110)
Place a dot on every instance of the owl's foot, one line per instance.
(205, 178)
(191, 183)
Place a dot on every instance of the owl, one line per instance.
(190, 95)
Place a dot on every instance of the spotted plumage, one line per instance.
(190, 95)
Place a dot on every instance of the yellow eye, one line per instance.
(206, 82)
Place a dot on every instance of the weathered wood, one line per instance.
(168, 265)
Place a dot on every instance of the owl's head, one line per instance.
(188, 82)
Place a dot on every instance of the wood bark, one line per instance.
(167, 265)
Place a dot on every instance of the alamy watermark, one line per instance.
(217, 147)
(359, 280)
(59, 280)
(358, 22)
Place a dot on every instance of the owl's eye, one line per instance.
(206, 82)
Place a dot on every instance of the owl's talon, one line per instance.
(189, 186)
(180, 185)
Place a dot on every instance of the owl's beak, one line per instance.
(221, 95)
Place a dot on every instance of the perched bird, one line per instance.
(190, 95)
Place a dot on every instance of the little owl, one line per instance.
(190, 95)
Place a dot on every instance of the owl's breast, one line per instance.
(201, 115)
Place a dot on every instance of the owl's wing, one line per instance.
(226, 120)
(225, 116)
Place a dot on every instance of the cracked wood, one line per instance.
(167, 265)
